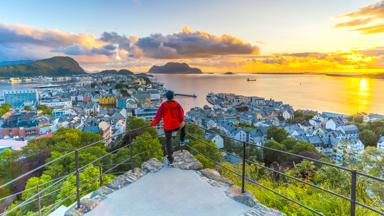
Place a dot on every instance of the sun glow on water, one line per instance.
(363, 85)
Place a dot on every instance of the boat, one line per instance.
(251, 80)
(15, 80)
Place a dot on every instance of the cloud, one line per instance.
(76, 49)
(189, 44)
(201, 49)
(23, 41)
(366, 20)
(22, 34)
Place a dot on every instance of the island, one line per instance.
(229, 73)
(174, 68)
(123, 72)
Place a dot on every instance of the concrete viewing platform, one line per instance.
(155, 189)
(170, 192)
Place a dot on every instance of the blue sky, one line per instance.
(255, 21)
(275, 26)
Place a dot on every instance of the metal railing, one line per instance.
(352, 199)
(48, 188)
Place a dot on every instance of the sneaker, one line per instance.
(168, 163)
(183, 142)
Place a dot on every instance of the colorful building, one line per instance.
(20, 125)
(107, 100)
(19, 98)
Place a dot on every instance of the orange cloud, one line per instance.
(367, 20)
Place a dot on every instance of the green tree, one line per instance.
(209, 149)
(33, 186)
(136, 127)
(199, 143)
(301, 146)
(89, 181)
(45, 109)
(289, 143)
(356, 118)
(270, 156)
(4, 108)
(28, 108)
(276, 133)
(300, 116)
(145, 147)
(368, 137)
(305, 170)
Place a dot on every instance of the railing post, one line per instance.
(243, 170)
(39, 199)
(353, 192)
(77, 179)
(101, 176)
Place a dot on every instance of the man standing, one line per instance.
(173, 119)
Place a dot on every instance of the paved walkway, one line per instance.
(169, 192)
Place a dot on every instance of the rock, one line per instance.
(185, 160)
(133, 175)
(101, 193)
(152, 165)
(119, 182)
(261, 210)
(86, 205)
(73, 212)
(246, 198)
(126, 179)
(214, 175)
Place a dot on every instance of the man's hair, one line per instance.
(169, 95)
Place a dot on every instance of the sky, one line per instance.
(214, 35)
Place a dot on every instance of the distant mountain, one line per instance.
(115, 72)
(9, 63)
(55, 66)
(174, 68)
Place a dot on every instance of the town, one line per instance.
(247, 119)
(102, 104)
(97, 103)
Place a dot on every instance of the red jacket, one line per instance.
(172, 114)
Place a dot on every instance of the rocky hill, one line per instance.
(174, 68)
(115, 72)
(55, 66)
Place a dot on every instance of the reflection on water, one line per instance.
(316, 92)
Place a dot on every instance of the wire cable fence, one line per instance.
(51, 187)
(352, 198)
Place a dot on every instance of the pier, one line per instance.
(186, 95)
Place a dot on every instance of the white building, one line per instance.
(348, 150)
(106, 131)
(240, 135)
(380, 143)
(215, 138)
(330, 125)
(57, 103)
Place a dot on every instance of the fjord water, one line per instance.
(316, 92)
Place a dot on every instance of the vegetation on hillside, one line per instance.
(4, 108)
(56, 148)
(301, 116)
(45, 110)
(369, 192)
(370, 132)
(55, 66)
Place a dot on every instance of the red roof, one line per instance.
(44, 136)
